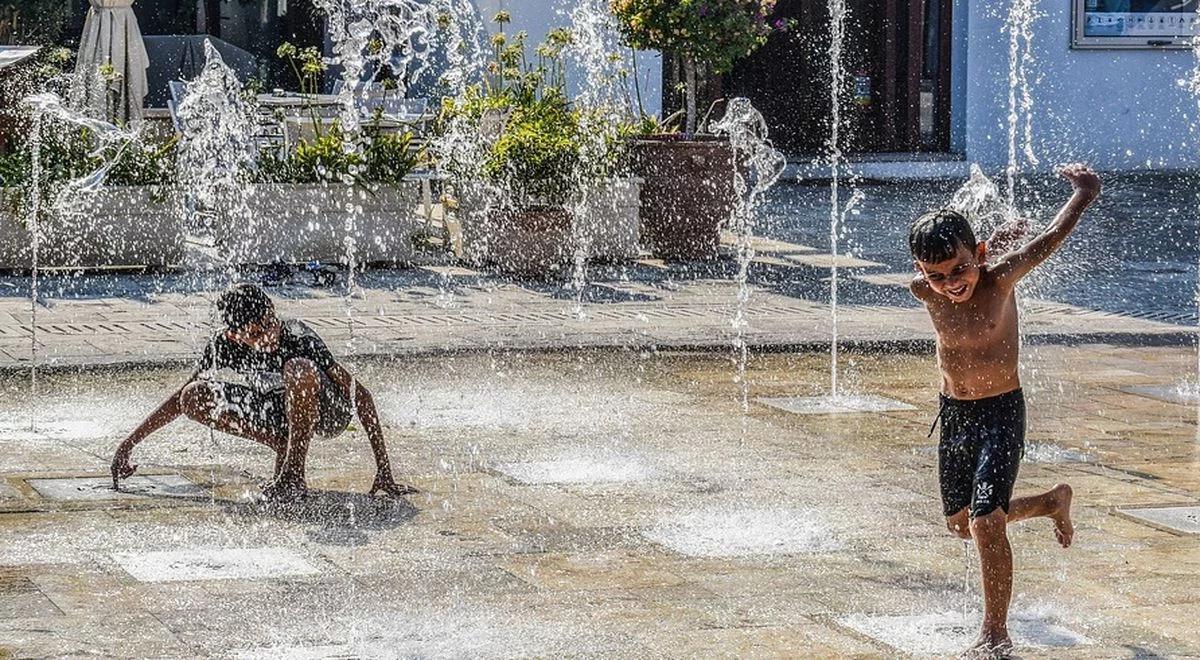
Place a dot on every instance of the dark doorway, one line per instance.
(896, 92)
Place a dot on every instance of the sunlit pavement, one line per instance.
(598, 502)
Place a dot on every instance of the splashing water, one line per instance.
(1192, 85)
(66, 200)
(215, 158)
(1019, 25)
(745, 533)
(595, 50)
(980, 202)
(368, 35)
(758, 166)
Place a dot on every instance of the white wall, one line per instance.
(537, 17)
(1115, 109)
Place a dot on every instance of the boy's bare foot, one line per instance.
(285, 489)
(990, 647)
(1064, 530)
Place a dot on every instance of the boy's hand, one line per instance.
(121, 468)
(1083, 179)
(385, 482)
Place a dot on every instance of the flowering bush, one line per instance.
(712, 32)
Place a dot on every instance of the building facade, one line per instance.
(929, 80)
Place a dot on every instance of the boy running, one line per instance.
(973, 307)
(274, 382)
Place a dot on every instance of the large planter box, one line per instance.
(128, 226)
(687, 197)
(144, 226)
(602, 223)
(303, 223)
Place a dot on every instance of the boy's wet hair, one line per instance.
(243, 304)
(935, 236)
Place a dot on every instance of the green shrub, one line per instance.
(332, 157)
(538, 154)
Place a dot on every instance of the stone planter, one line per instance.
(126, 226)
(303, 223)
(687, 194)
(542, 240)
(143, 226)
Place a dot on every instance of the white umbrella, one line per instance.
(110, 80)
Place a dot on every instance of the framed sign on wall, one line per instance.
(1133, 23)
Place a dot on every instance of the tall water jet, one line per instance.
(835, 402)
(368, 36)
(1019, 25)
(35, 210)
(757, 167)
(837, 36)
(1192, 85)
(595, 49)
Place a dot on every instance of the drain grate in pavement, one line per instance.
(1178, 519)
(827, 405)
(581, 470)
(744, 533)
(949, 633)
(214, 564)
(90, 489)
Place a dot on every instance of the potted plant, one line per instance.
(533, 198)
(687, 192)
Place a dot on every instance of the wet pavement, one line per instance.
(599, 503)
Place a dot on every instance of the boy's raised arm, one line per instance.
(1015, 265)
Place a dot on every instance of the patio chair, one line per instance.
(178, 90)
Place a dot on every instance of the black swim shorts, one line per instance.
(268, 409)
(980, 451)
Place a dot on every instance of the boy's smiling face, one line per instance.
(956, 277)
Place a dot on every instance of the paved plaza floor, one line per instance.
(128, 319)
(598, 502)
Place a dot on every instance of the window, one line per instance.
(1133, 23)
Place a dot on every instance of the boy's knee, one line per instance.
(196, 401)
(991, 525)
(959, 525)
(299, 372)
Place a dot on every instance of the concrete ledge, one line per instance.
(905, 346)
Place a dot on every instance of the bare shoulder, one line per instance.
(1001, 275)
(920, 289)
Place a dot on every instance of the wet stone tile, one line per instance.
(826, 405)
(100, 488)
(214, 564)
(1180, 519)
(948, 632)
